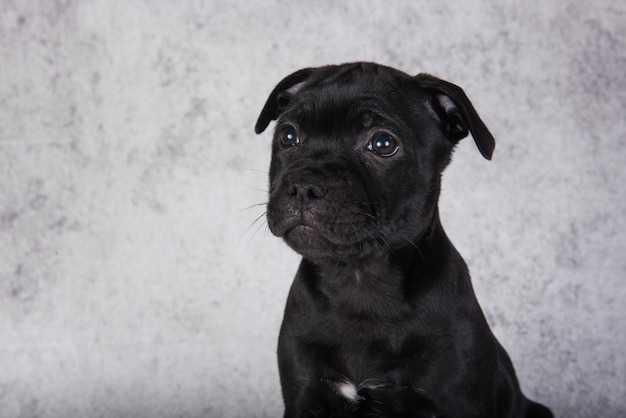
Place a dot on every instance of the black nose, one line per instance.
(307, 191)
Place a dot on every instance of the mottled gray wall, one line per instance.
(134, 280)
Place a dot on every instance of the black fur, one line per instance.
(382, 299)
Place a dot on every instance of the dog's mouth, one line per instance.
(343, 239)
(302, 233)
(325, 217)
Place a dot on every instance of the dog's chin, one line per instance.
(313, 243)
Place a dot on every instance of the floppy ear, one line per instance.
(457, 113)
(280, 97)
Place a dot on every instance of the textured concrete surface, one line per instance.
(134, 278)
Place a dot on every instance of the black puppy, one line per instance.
(381, 320)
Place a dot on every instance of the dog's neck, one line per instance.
(425, 249)
(381, 283)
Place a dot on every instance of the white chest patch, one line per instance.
(349, 391)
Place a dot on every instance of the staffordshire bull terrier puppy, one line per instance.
(381, 319)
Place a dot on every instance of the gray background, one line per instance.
(134, 279)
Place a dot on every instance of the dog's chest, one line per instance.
(358, 322)
(360, 364)
(371, 347)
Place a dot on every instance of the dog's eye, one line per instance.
(289, 136)
(383, 144)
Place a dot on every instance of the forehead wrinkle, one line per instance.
(333, 110)
(355, 113)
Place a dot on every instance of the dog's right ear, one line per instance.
(280, 97)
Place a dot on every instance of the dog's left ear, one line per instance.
(280, 97)
(456, 113)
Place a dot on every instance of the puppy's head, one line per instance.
(357, 156)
